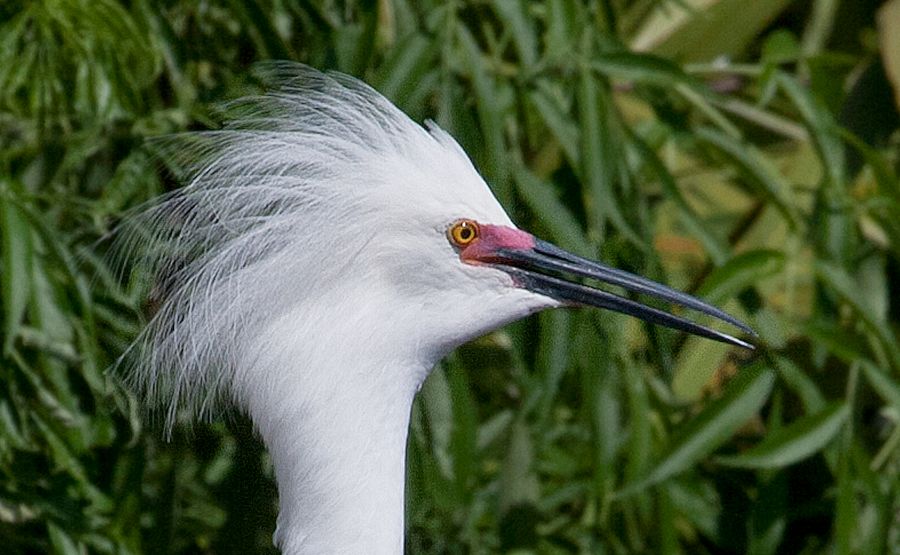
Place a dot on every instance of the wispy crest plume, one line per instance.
(234, 247)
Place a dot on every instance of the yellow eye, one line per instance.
(463, 232)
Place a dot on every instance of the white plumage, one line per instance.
(307, 277)
(311, 187)
(306, 261)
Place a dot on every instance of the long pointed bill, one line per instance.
(531, 261)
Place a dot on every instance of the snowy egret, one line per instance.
(324, 254)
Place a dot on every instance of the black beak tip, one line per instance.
(743, 344)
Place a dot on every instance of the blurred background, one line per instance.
(743, 151)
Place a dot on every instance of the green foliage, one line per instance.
(764, 181)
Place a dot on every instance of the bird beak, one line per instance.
(531, 261)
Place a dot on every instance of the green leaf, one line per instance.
(514, 15)
(769, 516)
(830, 335)
(491, 108)
(600, 386)
(462, 447)
(61, 452)
(743, 271)
(600, 155)
(642, 68)
(262, 29)
(823, 130)
(438, 408)
(597, 164)
(560, 222)
(553, 358)
(640, 423)
(757, 169)
(850, 291)
(832, 225)
(701, 30)
(803, 386)
(780, 47)
(554, 116)
(699, 357)
(795, 442)
(742, 399)
(62, 542)
(11, 430)
(717, 248)
(889, 39)
(847, 506)
(518, 483)
(699, 503)
(493, 428)
(405, 68)
(695, 366)
(16, 254)
(886, 387)
(563, 23)
(843, 283)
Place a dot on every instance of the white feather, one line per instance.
(308, 279)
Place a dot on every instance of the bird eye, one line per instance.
(463, 232)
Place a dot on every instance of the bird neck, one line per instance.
(339, 454)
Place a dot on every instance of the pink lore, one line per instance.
(494, 237)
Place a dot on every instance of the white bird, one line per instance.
(325, 253)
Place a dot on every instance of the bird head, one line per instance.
(322, 215)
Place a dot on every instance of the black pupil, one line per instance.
(465, 233)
